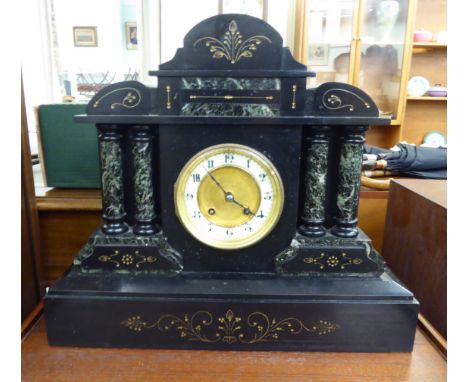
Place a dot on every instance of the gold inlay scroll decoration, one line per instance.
(202, 326)
(334, 102)
(129, 101)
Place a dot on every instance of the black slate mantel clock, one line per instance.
(230, 196)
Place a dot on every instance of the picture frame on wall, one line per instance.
(131, 35)
(85, 36)
(318, 54)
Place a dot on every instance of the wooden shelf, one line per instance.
(409, 98)
(57, 199)
(435, 45)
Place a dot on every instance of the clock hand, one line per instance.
(247, 210)
(217, 183)
(228, 195)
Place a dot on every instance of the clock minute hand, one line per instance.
(217, 183)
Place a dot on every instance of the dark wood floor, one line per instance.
(43, 363)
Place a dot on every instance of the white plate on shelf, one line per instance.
(418, 86)
(434, 139)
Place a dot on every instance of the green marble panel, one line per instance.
(204, 83)
(230, 109)
(349, 180)
(315, 181)
(143, 180)
(112, 178)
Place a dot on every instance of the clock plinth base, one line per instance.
(375, 314)
(330, 255)
(127, 253)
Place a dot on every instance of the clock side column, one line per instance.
(349, 182)
(142, 156)
(315, 183)
(111, 159)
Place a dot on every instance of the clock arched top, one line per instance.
(232, 42)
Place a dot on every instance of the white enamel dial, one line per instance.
(229, 196)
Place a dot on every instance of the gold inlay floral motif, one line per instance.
(230, 328)
(127, 259)
(332, 261)
(232, 45)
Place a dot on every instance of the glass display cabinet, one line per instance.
(366, 43)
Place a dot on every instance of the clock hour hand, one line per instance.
(247, 210)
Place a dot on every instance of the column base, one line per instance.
(344, 231)
(345, 228)
(311, 230)
(145, 229)
(114, 228)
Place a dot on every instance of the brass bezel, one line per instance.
(192, 228)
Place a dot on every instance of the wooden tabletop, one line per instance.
(41, 362)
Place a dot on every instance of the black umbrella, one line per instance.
(417, 161)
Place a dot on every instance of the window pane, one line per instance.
(329, 39)
(177, 18)
(244, 7)
(95, 43)
(383, 41)
(281, 16)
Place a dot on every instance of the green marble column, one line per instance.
(110, 151)
(349, 183)
(142, 154)
(315, 182)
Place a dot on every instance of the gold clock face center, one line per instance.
(220, 208)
